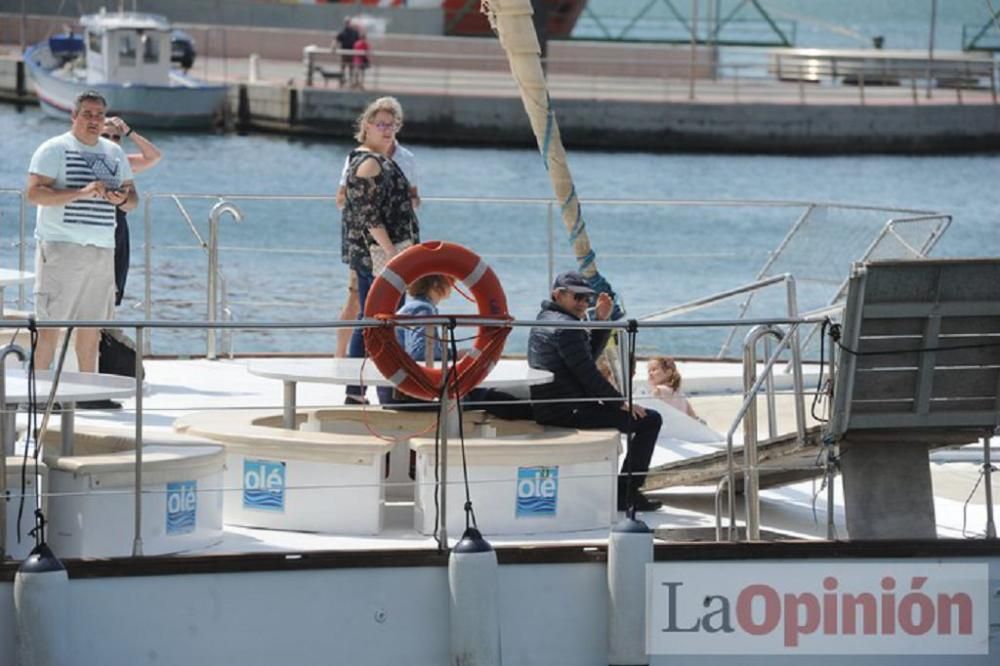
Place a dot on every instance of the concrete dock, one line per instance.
(617, 96)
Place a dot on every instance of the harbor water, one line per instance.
(282, 262)
(903, 24)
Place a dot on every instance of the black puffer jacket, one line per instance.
(568, 353)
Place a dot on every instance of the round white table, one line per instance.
(8, 278)
(73, 387)
(507, 374)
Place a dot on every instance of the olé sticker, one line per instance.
(182, 506)
(263, 484)
(537, 491)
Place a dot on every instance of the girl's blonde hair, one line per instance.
(668, 362)
(390, 105)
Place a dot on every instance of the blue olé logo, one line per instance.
(182, 506)
(537, 491)
(263, 484)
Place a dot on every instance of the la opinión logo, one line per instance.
(810, 609)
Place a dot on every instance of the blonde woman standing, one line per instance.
(378, 219)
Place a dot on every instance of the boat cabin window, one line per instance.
(150, 47)
(126, 48)
(94, 42)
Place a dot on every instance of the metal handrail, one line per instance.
(141, 326)
(550, 251)
(749, 406)
(218, 210)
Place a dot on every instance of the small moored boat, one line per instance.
(125, 56)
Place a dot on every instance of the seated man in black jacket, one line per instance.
(584, 398)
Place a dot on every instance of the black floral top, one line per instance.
(382, 201)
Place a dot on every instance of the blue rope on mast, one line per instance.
(597, 281)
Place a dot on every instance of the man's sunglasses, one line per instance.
(114, 137)
(581, 298)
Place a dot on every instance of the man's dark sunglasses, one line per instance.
(582, 298)
(113, 137)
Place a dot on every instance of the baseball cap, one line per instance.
(572, 281)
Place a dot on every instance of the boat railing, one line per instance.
(753, 383)
(782, 328)
(20, 244)
(731, 75)
(309, 255)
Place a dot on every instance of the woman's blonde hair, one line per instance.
(390, 105)
(669, 362)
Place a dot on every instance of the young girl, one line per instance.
(665, 384)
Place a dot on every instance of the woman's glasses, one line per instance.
(114, 137)
(385, 126)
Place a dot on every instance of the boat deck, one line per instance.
(178, 387)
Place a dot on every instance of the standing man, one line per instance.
(345, 40)
(77, 179)
(579, 396)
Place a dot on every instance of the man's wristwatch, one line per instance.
(129, 132)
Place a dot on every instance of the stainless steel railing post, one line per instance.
(213, 269)
(550, 230)
(796, 352)
(147, 253)
(21, 232)
(8, 431)
(751, 384)
(991, 528)
(137, 537)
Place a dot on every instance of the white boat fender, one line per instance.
(41, 605)
(474, 602)
(630, 549)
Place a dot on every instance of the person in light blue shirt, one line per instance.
(422, 300)
(423, 296)
(77, 179)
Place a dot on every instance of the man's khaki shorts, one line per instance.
(352, 281)
(74, 282)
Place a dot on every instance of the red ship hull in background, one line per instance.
(462, 17)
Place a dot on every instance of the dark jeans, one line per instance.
(356, 348)
(121, 255)
(646, 430)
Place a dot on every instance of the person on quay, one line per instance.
(378, 219)
(362, 49)
(116, 129)
(579, 396)
(665, 384)
(407, 162)
(345, 40)
(77, 179)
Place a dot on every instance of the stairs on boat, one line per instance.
(782, 460)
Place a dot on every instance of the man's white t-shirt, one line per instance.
(403, 158)
(74, 165)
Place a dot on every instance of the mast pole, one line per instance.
(512, 21)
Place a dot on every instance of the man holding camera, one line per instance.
(77, 179)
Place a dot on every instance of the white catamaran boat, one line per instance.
(835, 505)
(332, 533)
(127, 57)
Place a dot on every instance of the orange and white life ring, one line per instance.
(382, 346)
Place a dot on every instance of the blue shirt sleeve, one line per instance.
(413, 339)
